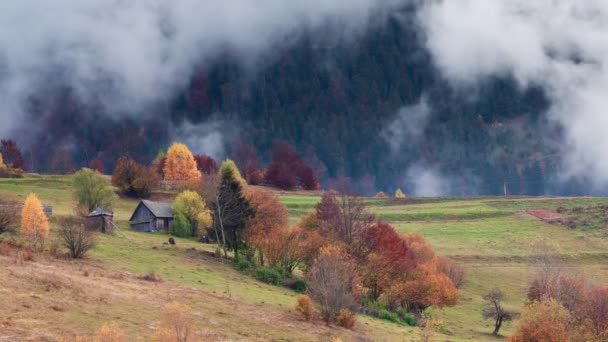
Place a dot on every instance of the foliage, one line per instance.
(110, 333)
(205, 164)
(270, 216)
(97, 165)
(180, 165)
(133, 179)
(270, 275)
(228, 169)
(345, 319)
(304, 306)
(399, 194)
(544, 320)
(2, 165)
(388, 316)
(330, 281)
(180, 226)
(495, 310)
(193, 207)
(231, 209)
(34, 223)
(92, 191)
(77, 239)
(287, 169)
(242, 265)
(9, 214)
(594, 309)
(457, 273)
(344, 218)
(12, 155)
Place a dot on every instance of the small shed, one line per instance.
(100, 220)
(151, 216)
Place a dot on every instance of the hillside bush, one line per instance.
(269, 275)
(388, 316)
(242, 265)
(180, 226)
(305, 307)
(77, 239)
(345, 319)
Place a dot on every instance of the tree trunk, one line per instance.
(497, 326)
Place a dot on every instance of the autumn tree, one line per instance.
(270, 215)
(544, 320)
(2, 165)
(12, 154)
(193, 207)
(34, 223)
(180, 165)
(91, 190)
(399, 194)
(97, 165)
(330, 281)
(205, 164)
(344, 218)
(287, 170)
(457, 273)
(494, 309)
(133, 179)
(593, 308)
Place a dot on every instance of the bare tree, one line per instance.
(9, 215)
(345, 217)
(330, 282)
(77, 239)
(494, 309)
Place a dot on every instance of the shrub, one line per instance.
(54, 248)
(180, 226)
(296, 284)
(269, 275)
(345, 319)
(92, 190)
(178, 318)
(388, 316)
(77, 239)
(452, 270)
(304, 306)
(110, 333)
(151, 276)
(242, 265)
(9, 215)
(409, 319)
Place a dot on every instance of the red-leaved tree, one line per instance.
(12, 154)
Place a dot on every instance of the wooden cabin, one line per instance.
(100, 220)
(150, 216)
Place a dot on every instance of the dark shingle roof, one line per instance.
(159, 209)
(99, 212)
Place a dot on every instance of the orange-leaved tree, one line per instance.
(270, 214)
(180, 165)
(545, 320)
(34, 223)
(2, 165)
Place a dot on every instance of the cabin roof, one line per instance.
(99, 212)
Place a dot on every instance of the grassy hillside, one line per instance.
(493, 236)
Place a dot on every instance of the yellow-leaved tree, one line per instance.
(229, 167)
(399, 194)
(180, 165)
(195, 210)
(2, 165)
(34, 223)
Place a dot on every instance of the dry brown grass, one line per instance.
(50, 299)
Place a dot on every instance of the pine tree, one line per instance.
(34, 223)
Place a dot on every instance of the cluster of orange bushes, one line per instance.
(348, 255)
(563, 308)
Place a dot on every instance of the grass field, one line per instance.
(492, 236)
